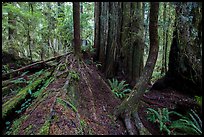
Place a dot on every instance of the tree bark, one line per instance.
(76, 18)
(163, 69)
(131, 103)
(96, 29)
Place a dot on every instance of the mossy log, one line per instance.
(10, 105)
(13, 80)
(6, 90)
(32, 67)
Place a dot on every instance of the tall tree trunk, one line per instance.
(125, 38)
(104, 31)
(12, 32)
(137, 41)
(185, 66)
(76, 18)
(163, 70)
(131, 103)
(188, 66)
(96, 29)
(28, 33)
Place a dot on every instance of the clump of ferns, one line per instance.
(119, 88)
(191, 125)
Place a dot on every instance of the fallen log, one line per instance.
(7, 89)
(11, 105)
(5, 83)
(32, 67)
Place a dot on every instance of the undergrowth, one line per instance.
(190, 125)
(119, 88)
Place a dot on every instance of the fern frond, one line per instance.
(199, 120)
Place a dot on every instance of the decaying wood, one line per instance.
(7, 89)
(10, 105)
(35, 66)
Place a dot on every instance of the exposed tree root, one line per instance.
(140, 127)
(128, 124)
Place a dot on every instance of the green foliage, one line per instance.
(161, 117)
(19, 80)
(44, 130)
(199, 100)
(15, 125)
(62, 67)
(119, 88)
(25, 105)
(38, 92)
(84, 128)
(191, 125)
(49, 25)
(184, 124)
(28, 129)
(74, 75)
(65, 104)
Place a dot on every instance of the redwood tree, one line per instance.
(185, 59)
(130, 105)
(76, 18)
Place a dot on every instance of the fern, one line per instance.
(161, 117)
(119, 88)
(189, 125)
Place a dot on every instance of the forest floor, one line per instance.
(78, 101)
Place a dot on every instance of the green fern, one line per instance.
(189, 125)
(119, 88)
(161, 117)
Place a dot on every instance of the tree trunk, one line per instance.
(137, 41)
(130, 104)
(96, 29)
(104, 30)
(188, 63)
(163, 69)
(185, 62)
(76, 18)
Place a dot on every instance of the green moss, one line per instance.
(28, 129)
(17, 124)
(44, 130)
(16, 100)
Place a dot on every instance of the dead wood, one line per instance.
(32, 67)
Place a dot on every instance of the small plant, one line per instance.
(119, 88)
(161, 117)
(191, 125)
(184, 124)
(74, 75)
